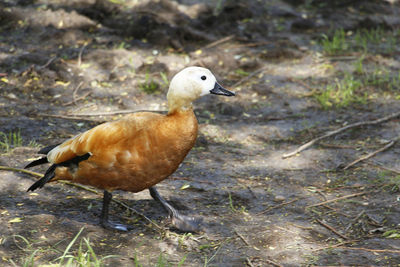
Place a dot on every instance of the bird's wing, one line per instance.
(102, 138)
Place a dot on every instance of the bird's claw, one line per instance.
(116, 226)
(187, 223)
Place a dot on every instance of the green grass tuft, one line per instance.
(337, 44)
(393, 234)
(342, 93)
(164, 78)
(363, 40)
(383, 79)
(162, 261)
(84, 256)
(10, 141)
(149, 86)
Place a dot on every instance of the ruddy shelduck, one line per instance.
(137, 151)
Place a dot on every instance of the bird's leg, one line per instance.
(104, 215)
(181, 222)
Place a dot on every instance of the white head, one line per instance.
(190, 84)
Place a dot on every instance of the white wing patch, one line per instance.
(60, 149)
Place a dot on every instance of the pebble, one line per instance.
(12, 96)
(279, 198)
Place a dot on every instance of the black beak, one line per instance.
(219, 90)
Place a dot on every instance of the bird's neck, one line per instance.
(182, 126)
(179, 105)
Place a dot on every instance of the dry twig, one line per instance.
(74, 97)
(372, 250)
(370, 155)
(47, 63)
(69, 117)
(6, 168)
(220, 41)
(273, 263)
(334, 132)
(380, 165)
(76, 90)
(338, 245)
(218, 249)
(248, 77)
(301, 226)
(138, 213)
(354, 221)
(116, 112)
(80, 55)
(248, 261)
(337, 146)
(339, 198)
(279, 206)
(327, 226)
(241, 237)
(251, 44)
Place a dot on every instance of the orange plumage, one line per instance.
(131, 154)
(136, 152)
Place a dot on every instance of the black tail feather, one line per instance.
(46, 178)
(47, 149)
(43, 160)
(37, 162)
(50, 173)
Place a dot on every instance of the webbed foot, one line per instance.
(179, 221)
(187, 223)
(116, 226)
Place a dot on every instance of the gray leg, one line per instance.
(181, 222)
(104, 215)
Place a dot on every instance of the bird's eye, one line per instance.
(203, 78)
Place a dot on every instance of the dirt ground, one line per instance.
(66, 66)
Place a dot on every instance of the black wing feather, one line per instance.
(42, 160)
(47, 177)
(50, 173)
(47, 149)
(37, 162)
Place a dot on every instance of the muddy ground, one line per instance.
(66, 66)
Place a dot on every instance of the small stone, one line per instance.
(279, 198)
(12, 96)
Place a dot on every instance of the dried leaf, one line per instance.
(15, 220)
(185, 186)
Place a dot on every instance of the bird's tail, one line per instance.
(47, 177)
(37, 162)
(42, 160)
(49, 173)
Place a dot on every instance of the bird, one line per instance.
(137, 151)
